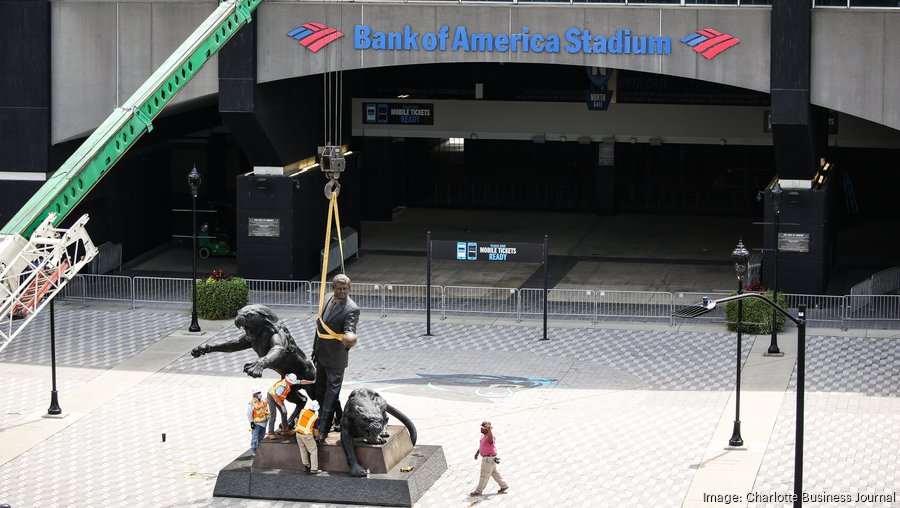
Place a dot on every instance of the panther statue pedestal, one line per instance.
(378, 459)
(277, 473)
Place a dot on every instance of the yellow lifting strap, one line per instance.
(332, 212)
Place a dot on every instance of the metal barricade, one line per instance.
(291, 293)
(861, 310)
(872, 311)
(754, 267)
(686, 299)
(410, 298)
(820, 309)
(162, 290)
(886, 282)
(117, 288)
(636, 305)
(479, 300)
(368, 296)
(561, 303)
(73, 290)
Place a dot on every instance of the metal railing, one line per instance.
(882, 283)
(277, 293)
(682, 3)
(101, 287)
(886, 282)
(561, 304)
(685, 299)
(367, 295)
(588, 305)
(827, 4)
(479, 300)
(820, 309)
(404, 298)
(872, 311)
(161, 290)
(635, 305)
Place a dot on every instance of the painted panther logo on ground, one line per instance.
(480, 387)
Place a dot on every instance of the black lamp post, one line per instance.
(708, 305)
(194, 184)
(776, 204)
(740, 257)
(54, 409)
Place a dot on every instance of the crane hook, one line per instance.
(332, 188)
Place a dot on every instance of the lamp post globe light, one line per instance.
(194, 184)
(741, 256)
(776, 206)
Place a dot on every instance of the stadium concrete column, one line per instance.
(280, 219)
(276, 123)
(24, 102)
(799, 137)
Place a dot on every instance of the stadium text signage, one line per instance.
(459, 39)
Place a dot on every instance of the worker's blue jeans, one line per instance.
(258, 432)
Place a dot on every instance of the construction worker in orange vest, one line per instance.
(258, 414)
(306, 437)
(275, 397)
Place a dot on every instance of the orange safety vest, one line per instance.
(260, 411)
(278, 384)
(306, 422)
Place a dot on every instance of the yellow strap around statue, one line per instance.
(332, 211)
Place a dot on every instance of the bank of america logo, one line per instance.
(709, 42)
(314, 36)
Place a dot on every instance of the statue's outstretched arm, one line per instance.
(226, 346)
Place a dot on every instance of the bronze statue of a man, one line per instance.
(335, 335)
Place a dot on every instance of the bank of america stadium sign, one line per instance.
(621, 41)
(459, 39)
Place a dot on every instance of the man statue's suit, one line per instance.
(330, 356)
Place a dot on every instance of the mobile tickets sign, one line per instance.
(487, 251)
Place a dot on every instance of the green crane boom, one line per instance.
(119, 132)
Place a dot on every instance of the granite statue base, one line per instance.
(284, 454)
(277, 472)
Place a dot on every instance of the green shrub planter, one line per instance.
(757, 315)
(221, 296)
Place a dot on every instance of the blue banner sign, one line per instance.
(398, 113)
(487, 251)
(574, 40)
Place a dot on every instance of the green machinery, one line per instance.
(36, 258)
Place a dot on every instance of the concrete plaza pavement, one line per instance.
(603, 415)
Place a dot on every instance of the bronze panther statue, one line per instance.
(272, 342)
(365, 417)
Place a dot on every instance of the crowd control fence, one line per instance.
(523, 305)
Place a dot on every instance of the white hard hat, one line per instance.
(291, 378)
(254, 392)
(313, 405)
